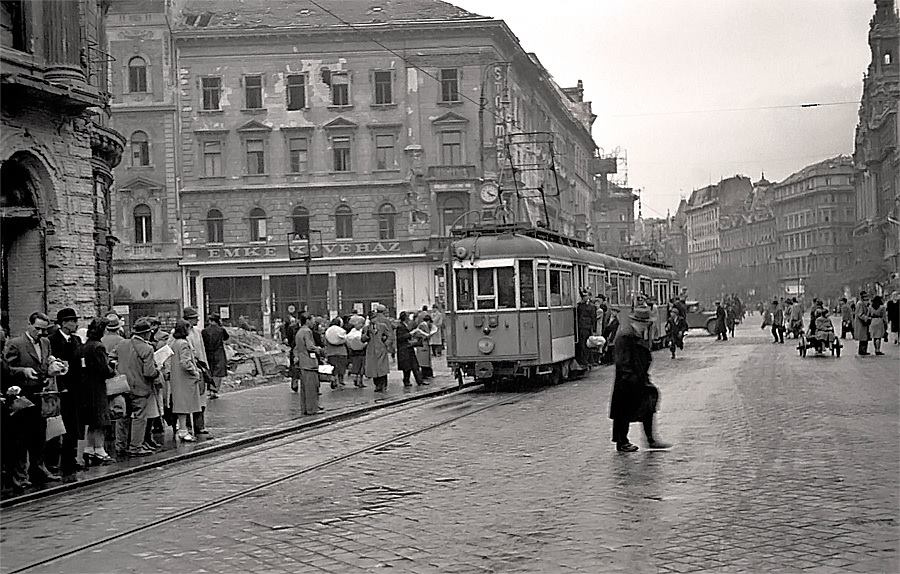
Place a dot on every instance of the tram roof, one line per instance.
(518, 246)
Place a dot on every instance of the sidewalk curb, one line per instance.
(290, 426)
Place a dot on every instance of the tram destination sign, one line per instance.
(298, 250)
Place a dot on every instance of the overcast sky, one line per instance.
(648, 65)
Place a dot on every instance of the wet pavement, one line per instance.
(780, 464)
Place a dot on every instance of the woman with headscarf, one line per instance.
(95, 369)
(356, 350)
(425, 331)
(336, 350)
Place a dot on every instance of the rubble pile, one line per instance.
(251, 356)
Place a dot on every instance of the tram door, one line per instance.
(528, 314)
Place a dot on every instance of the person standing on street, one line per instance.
(214, 337)
(380, 347)
(777, 322)
(66, 346)
(846, 318)
(195, 338)
(437, 340)
(96, 366)
(113, 335)
(406, 354)
(730, 319)
(861, 323)
(28, 357)
(721, 327)
(877, 316)
(675, 328)
(634, 397)
(185, 380)
(306, 357)
(426, 330)
(356, 350)
(585, 324)
(137, 363)
(893, 315)
(336, 350)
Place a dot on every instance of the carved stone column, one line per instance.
(62, 42)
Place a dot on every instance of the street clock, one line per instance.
(489, 192)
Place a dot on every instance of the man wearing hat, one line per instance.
(634, 397)
(113, 335)
(861, 322)
(66, 346)
(137, 363)
(586, 323)
(195, 338)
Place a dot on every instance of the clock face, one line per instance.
(489, 193)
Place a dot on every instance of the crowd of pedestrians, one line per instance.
(78, 397)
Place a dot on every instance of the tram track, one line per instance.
(251, 490)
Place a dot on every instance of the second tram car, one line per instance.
(511, 297)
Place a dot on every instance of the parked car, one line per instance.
(700, 318)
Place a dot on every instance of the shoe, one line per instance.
(658, 445)
(204, 432)
(213, 396)
(863, 353)
(20, 483)
(878, 353)
(151, 443)
(187, 438)
(139, 451)
(295, 386)
(151, 447)
(626, 447)
(423, 383)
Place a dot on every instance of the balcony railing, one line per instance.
(451, 172)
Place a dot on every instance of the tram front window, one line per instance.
(465, 290)
(506, 288)
(526, 284)
(485, 299)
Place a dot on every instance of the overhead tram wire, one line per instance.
(746, 109)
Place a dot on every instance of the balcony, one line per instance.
(451, 172)
(145, 251)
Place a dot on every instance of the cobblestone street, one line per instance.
(780, 464)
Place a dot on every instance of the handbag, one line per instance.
(55, 427)
(117, 385)
(117, 407)
(50, 400)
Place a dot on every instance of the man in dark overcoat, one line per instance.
(65, 345)
(585, 323)
(721, 328)
(406, 353)
(214, 337)
(634, 398)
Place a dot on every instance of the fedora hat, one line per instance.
(114, 322)
(142, 325)
(189, 313)
(67, 314)
(641, 314)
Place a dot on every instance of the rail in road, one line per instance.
(457, 406)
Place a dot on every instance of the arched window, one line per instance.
(343, 222)
(300, 221)
(143, 224)
(387, 217)
(452, 211)
(215, 226)
(140, 149)
(258, 225)
(137, 75)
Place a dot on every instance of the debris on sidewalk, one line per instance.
(251, 356)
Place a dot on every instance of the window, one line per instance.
(385, 151)
(623, 236)
(256, 157)
(258, 225)
(343, 222)
(211, 90)
(465, 290)
(143, 224)
(340, 90)
(451, 148)
(296, 92)
(888, 58)
(137, 75)
(298, 153)
(542, 284)
(449, 85)
(387, 217)
(526, 283)
(140, 149)
(215, 224)
(485, 298)
(212, 158)
(452, 212)
(341, 149)
(253, 92)
(300, 221)
(506, 288)
(15, 32)
(383, 92)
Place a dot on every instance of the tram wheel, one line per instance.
(556, 375)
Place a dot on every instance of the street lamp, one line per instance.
(307, 258)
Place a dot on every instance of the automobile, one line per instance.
(700, 318)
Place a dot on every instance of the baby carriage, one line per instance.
(820, 337)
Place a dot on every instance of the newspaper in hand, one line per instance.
(161, 355)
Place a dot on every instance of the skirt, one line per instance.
(340, 364)
(358, 362)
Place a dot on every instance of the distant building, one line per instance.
(748, 246)
(876, 157)
(613, 217)
(57, 160)
(815, 214)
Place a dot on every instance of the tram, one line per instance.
(511, 297)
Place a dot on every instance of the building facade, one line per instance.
(295, 133)
(748, 246)
(815, 215)
(57, 160)
(613, 217)
(876, 157)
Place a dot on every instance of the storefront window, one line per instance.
(526, 283)
(465, 290)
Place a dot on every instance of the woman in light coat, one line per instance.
(380, 339)
(184, 379)
(861, 323)
(877, 320)
(426, 331)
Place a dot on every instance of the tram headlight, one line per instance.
(460, 252)
(486, 345)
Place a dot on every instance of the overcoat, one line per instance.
(95, 369)
(861, 321)
(214, 337)
(185, 378)
(406, 353)
(437, 340)
(423, 353)
(634, 397)
(136, 362)
(720, 320)
(380, 338)
(877, 322)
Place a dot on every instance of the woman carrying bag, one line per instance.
(95, 370)
(356, 350)
(336, 350)
(184, 380)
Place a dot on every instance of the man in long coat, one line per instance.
(214, 337)
(585, 324)
(65, 346)
(406, 353)
(381, 345)
(861, 323)
(137, 363)
(634, 398)
(721, 328)
(307, 362)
